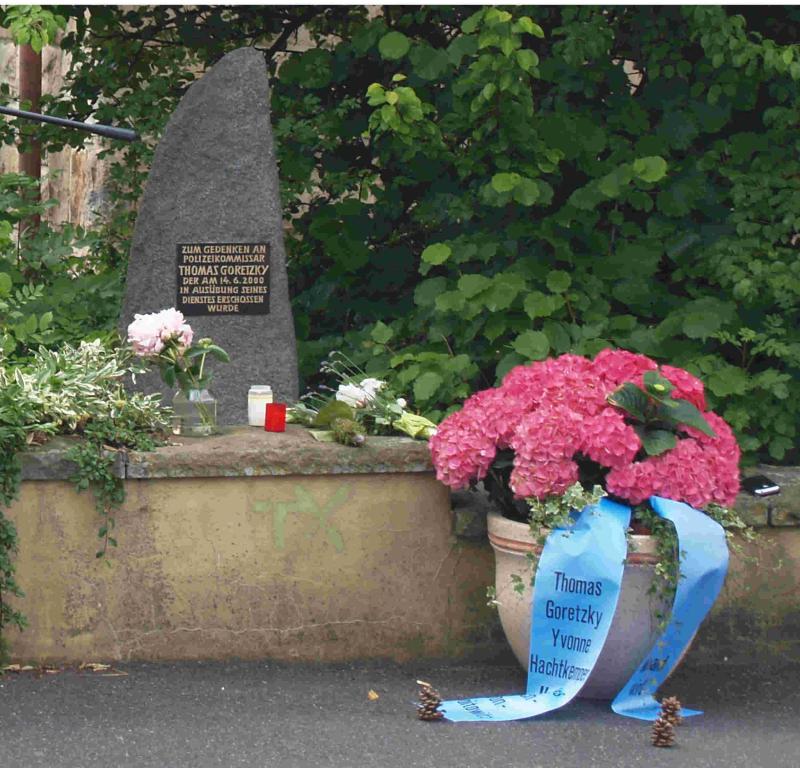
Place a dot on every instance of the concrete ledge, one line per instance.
(51, 461)
(242, 452)
(252, 452)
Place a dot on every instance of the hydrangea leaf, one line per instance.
(658, 441)
(656, 385)
(631, 399)
(677, 411)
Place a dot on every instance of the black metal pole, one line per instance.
(124, 134)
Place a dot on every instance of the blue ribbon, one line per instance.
(575, 595)
(703, 565)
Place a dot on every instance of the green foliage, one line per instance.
(348, 432)
(654, 227)
(557, 511)
(394, 45)
(54, 288)
(493, 186)
(32, 25)
(665, 582)
(71, 390)
(12, 440)
(544, 515)
(95, 462)
(63, 390)
(332, 411)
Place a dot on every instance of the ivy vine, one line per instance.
(96, 460)
(12, 440)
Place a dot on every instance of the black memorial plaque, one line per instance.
(223, 278)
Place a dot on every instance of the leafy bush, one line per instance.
(61, 391)
(53, 287)
(33, 25)
(628, 177)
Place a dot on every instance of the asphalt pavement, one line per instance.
(198, 715)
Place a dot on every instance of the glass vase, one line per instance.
(194, 413)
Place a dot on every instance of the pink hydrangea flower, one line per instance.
(462, 451)
(565, 379)
(632, 482)
(613, 367)
(500, 413)
(542, 480)
(683, 474)
(544, 445)
(551, 412)
(608, 440)
(687, 387)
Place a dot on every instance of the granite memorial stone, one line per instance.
(209, 234)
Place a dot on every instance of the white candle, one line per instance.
(257, 399)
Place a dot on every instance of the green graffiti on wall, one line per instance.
(305, 504)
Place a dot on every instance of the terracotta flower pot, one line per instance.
(633, 630)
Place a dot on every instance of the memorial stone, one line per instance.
(209, 234)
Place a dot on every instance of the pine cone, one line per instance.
(429, 713)
(430, 700)
(663, 733)
(671, 710)
(428, 693)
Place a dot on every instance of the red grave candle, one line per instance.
(275, 417)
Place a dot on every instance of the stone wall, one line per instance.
(257, 545)
(251, 545)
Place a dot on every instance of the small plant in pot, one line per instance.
(559, 434)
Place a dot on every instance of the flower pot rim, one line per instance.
(515, 538)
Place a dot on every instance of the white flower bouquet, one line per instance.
(358, 406)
